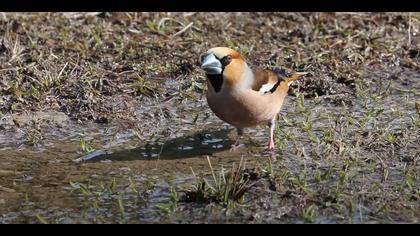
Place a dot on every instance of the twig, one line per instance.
(62, 70)
(212, 172)
(163, 20)
(183, 30)
(409, 29)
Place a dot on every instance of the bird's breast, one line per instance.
(244, 108)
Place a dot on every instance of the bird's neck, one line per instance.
(247, 78)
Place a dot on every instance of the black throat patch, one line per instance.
(216, 81)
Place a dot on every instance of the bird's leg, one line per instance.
(240, 133)
(272, 125)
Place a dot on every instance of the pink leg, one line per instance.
(272, 125)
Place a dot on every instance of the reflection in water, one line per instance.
(198, 144)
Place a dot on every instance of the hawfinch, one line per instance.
(241, 96)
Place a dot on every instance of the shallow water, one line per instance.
(126, 178)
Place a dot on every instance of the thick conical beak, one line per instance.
(211, 65)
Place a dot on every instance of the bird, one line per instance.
(242, 96)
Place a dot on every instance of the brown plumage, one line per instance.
(241, 96)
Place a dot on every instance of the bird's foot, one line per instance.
(270, 149)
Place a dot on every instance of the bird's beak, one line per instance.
(211, 65)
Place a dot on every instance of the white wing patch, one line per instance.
(266, 88)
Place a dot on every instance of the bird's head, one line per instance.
(223, 65)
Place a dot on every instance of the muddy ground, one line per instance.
(103, 119)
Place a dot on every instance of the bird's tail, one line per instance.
(284, 76)
(295, 76)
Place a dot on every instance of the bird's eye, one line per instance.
(226, 60)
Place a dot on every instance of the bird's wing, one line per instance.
(265, 81)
